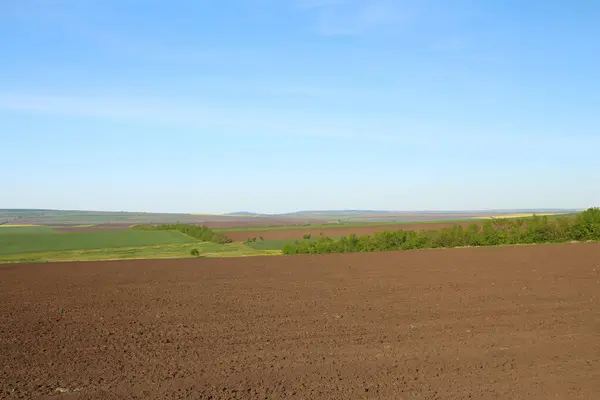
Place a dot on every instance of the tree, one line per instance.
(536, 229)
(587, 225)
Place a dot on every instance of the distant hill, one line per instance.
(244, 214)
(247, 218)
(341, 212)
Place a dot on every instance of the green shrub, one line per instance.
(220, 238)
(194, 252)
(536, 229)
(587, 225)
(199, 232)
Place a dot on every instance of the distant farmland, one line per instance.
(26, 243)
(45, 235)
(42, 239)
(247, 221)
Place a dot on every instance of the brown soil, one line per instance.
(288, 234)
(258, 222)
(488, 323)
(95, 228)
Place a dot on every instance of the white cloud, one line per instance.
(246, 119)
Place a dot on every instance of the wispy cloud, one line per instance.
(248, 120)
(238, 120)
(358, 17)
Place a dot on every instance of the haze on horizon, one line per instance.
(275, 106)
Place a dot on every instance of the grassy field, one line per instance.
(44, 239)
(269, 244)
(44, 244)
(182, 250)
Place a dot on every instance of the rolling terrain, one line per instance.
(28, 236)
(244, 219)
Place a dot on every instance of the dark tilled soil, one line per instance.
(289, 234)
(487, 323)
(99, 228)
(257, 222)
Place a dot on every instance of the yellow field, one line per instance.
(523, 215)
(17, 225)
(225, 216)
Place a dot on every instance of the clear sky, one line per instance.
(283, 105)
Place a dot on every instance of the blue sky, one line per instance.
(274, 106)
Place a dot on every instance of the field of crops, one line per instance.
(155, 252)
(269, 244)
(26, 244)
(43, 239)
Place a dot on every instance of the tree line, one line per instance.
(537, 229)
(199, 232)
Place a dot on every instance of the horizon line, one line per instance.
(241, 213)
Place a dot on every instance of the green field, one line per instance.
(44, 239)
(205, 249)
(44, 244)
(272, 245)
(269, 244)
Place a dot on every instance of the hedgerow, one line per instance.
(537, 229)
(199, 232)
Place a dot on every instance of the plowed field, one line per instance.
(488, 323)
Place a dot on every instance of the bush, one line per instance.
(307, 236)
(199, 232)
(290, 249)
(536, 229)
(195, 253)
(587, 225)
(220, 238)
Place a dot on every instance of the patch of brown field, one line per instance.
(288, 234)
(93, 228)
(481, 323)
(258, 222)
